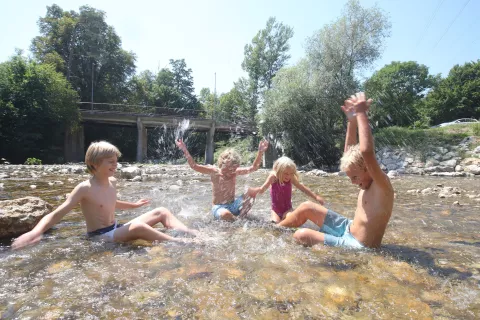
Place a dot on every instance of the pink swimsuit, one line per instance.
(281, 196)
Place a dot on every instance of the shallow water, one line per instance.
(428, 266)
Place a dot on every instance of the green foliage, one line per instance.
(264, 57)
(456, 96)
(302, 110)
(295, 115)
(397, 90)
(33, 161)
(37, 105)
(421, 140)
(80, 44)
(268, 53)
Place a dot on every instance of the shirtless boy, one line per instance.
(223, 177)
(375, 199)
(98, 200)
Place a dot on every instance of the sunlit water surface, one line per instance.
(427, 268)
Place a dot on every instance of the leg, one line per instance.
(305, 211)
(309, 237)
(274, 217)
(224, 214)
(164, 216)
(140, 230)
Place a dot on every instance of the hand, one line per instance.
(252, 192)
(26, 239)
(320, 200)
(141, 202)
(349, 111)
(359, 103)
(263, 145)
(181, 145)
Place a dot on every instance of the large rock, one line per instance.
(130, 172)
(21, 215)
(475, 169)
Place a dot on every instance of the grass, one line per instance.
(424, 140)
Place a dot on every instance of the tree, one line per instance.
(264, 57)
(456, 96)
(302, 110)
(340, 51)
(37, 105)
(397, 89)
(81, 44)
(183, 83)
(296, 115)
(207, 100)
(268, 53)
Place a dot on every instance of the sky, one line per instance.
(211, 35)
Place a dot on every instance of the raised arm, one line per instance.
(50, 219)
(195, 166)
(351, 136)
(262, 147)
(367, 147)
(300, 186)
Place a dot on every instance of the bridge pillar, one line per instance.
(74, 145)
(209, 148)
(141, 141)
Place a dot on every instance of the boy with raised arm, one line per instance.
(375, 199)
(98, 200)
(223, 177)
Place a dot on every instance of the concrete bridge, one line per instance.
(144, 118)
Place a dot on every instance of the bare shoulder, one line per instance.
(386, 185)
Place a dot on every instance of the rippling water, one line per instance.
(428, 266)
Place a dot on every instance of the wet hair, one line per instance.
(229, 155)
(352, 158)
(280, 165)
(97, 151)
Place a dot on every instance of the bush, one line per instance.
(33, 161)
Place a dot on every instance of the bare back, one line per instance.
(98, 204)
(374, 208)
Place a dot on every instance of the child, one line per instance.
(98, 200)
(282, 177)
(223, 178)
(375, 199)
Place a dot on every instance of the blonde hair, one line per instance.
(280, 165)
(352, 158)
(97, 151)
(229, 155)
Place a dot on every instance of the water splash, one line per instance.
(182, 128)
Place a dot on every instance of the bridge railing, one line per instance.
(130, 108)
(219, 116)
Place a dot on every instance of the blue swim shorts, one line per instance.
(234, 207)
(337, 231)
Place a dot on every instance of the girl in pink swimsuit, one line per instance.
(280, 181)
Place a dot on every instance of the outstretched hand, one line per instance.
(26, 239)
(359, 103)
(263, 145)
(142, 202)
(181, 145)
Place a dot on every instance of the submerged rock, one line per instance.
(21, 215)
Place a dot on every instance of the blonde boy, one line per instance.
(223, 178)
(375, 200)
(98, 200)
